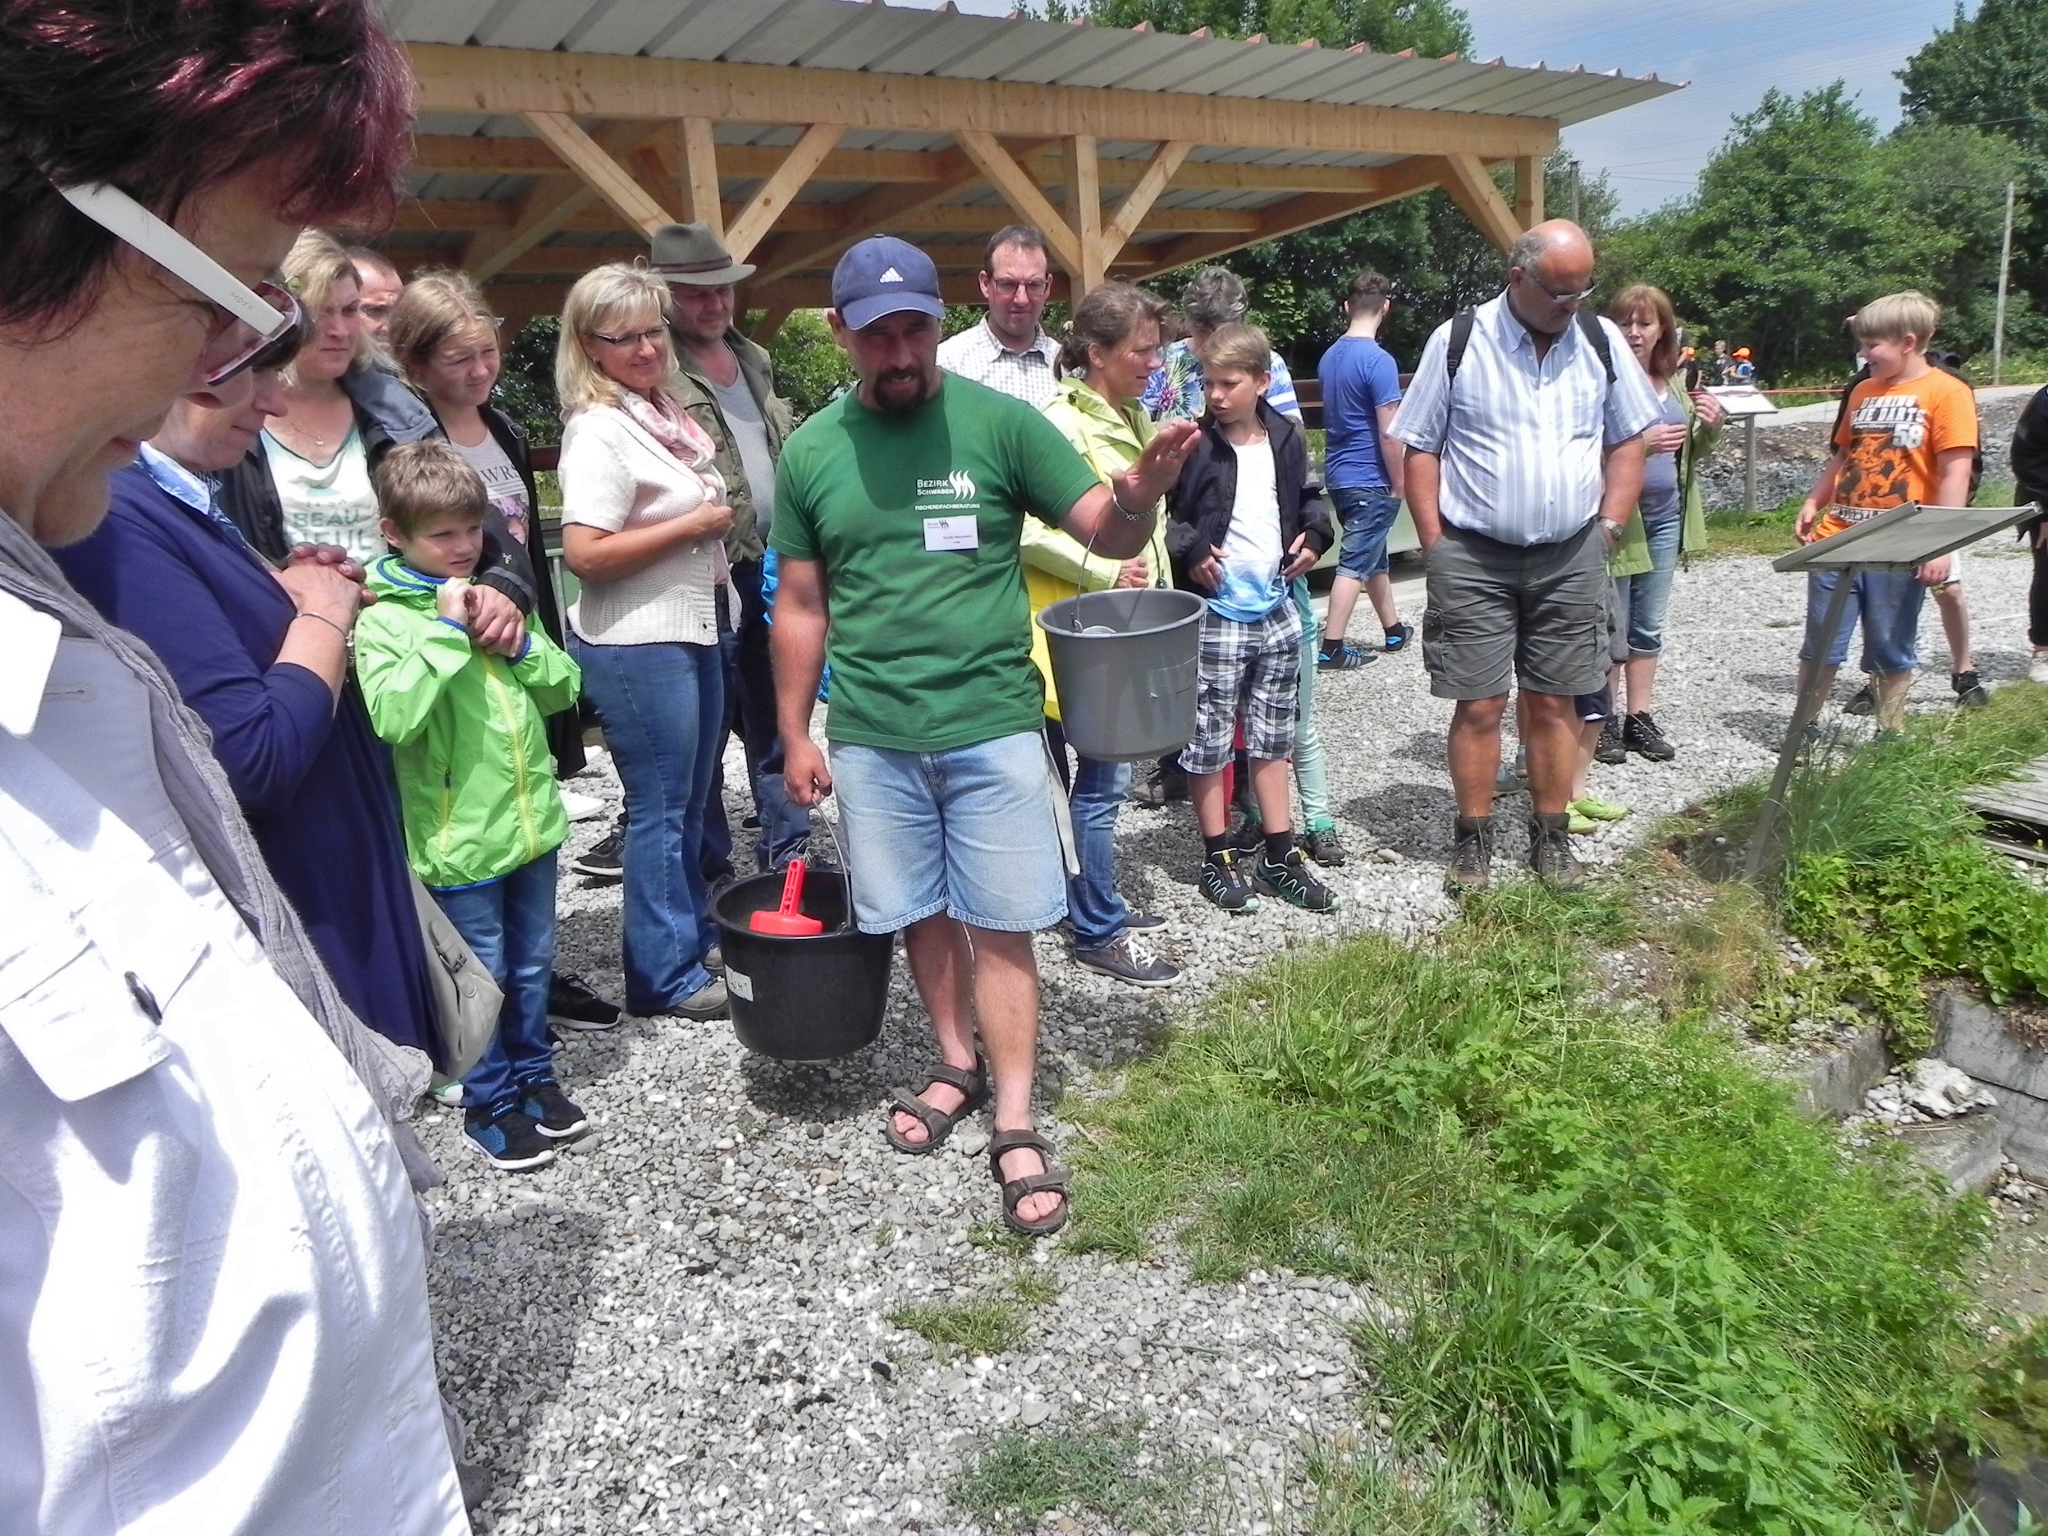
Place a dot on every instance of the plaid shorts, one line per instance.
(1252, 670)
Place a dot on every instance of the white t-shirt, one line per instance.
(750, 436)
(501, 483)
(1251, 587)
(331, 503)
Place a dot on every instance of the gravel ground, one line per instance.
(683, 1324)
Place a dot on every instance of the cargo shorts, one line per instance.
(1502, 614)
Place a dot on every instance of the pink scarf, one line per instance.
(672, 427)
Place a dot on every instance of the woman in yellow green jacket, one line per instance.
(1110, 351)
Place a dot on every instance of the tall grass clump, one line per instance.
(1634, 1291)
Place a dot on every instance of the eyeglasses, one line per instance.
(1579, 297)
(1021, 287)
(631, 338)
(263, 325)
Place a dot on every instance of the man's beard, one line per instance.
(901, 405)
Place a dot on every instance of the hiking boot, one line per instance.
(1610, 748)
(1640, 735)
(606, 859)
(1341, 656)
(1970, 694)
(1863, 701)
(1400, 637)
(1125, 961)
(1294, 882)
(707, 1002)
(553, 1115)
(508, 1139)
(1471, 865)
(1323, 847)
(1223, 881)
(1162, 787)
(1550, 852)
(572, 1004)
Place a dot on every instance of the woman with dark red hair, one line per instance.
(213, 1311)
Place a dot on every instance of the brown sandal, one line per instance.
(1015, 1191)
(938, 1125)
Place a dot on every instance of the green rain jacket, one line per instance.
(1631, 556)
(476, 781)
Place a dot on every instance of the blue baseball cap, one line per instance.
(884, 276)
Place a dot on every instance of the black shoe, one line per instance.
(1250, 835)
(1143, 922)
(606, 860)
(1550, 852)
(1863, 702)
(1223, 882)
(1323, 847)
(1471, 865)
(751, 822)
(1126, 962)
(1340, 656)
(1162, 787)
(1970, 693)
(509, 1140)
(572, 1004)
(1610, 749)
(1294, 882)
(1640, 735)
(1400, 637)
(544, 1103)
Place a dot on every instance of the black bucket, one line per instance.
(802, 999)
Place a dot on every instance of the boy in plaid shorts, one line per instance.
(1245, 520)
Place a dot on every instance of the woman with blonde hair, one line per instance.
(644, 517)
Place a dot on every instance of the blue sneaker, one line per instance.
(553, 1115)
(1341, 656)
(508, 1139)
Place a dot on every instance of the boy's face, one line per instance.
(1232, 394)
(1888, 355)
(449, 545)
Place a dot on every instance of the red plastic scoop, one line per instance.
(787, 921)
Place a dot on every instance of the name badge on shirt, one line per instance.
(952, 533)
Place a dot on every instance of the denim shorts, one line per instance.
(1888, 603)
(1366, 514)
(968, 832)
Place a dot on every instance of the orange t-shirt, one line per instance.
(1892, 434)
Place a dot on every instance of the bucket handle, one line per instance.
(1088, 551)
(845, 869)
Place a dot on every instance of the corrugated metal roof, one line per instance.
(884, 39)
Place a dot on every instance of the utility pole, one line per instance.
(2004, 268)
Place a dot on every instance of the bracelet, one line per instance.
(1124, 512)
(322, 618)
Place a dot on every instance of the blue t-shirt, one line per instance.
(1358, 377)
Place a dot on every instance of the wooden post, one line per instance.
(700, 175)
(772, 320)
(1528, 190)
(1084, 211)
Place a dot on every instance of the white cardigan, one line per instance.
(616, 476)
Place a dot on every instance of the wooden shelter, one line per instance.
(554, 135)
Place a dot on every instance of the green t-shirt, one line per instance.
(930, 642)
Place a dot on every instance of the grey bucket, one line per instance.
(1125, 664)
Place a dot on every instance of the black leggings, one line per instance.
(2037, 598)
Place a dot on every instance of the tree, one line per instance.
(1432, 28)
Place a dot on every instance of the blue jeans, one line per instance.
(510, 924)
(1643, 601)
(750, 715)
(1888, 604)
(1366, 514)
(663, 708)
(1097, 912)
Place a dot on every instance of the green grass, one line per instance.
(1770, 532)
(1102, 1470)
(986, 1327)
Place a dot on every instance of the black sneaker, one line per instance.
(1970, 693)
(1551, 854)
(1863, 702)
(1341, 656)
(1143, 922)
(572, 1005)
(1126, 962)
(1640, 735)
(508, 1140)
(551, 1112)
(1471, 865)
(1400, 637)
(1250, 835)
(606, 860)
(1162, 787)
(1322, 846)
(751, 822)
(1610, 748)
(1223, 882)
(1294, 882)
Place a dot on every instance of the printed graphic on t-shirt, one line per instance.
(1892, 438)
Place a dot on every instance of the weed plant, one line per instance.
(1101, 1469)
(1652, 1298)
(976, 1327)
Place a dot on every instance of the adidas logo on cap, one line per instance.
(890, 276)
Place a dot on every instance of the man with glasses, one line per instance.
(1524, 425)
(1009, 351)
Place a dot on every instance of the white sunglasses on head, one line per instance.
(265, 323)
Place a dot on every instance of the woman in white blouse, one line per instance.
(643, 525)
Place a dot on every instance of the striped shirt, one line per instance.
(1028, 375)
(1174, 392)
(1522, 440)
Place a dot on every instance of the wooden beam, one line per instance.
(598, 170)
(1022, 194)
(556, 260)
(1466, 179)
(776, 193)
(771, 321)
(1168, 159)
(546, 209)
(811, 292)
(1084, 210)
(699, 152)
(891, 208)
(1528, 191)
(453, 78)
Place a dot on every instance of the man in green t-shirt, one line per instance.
(897, 517)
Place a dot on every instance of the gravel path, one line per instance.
(683, 1324)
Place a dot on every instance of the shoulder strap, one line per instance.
(1596, 333)
(1460, 339)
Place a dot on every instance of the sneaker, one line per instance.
(2037, 668)
(449, 1094)
(1579, 825)
(1513, 777)
(1294, 882)
(1250, 835)
(1143, 922)
(1595, 809)
(1341, 656)
(707, 1002)
(714, 960)
(606, 860)
(551, 1112)
(1323, 847)
(1970, 694)
(580, 807)
(1127, 962)
(1863, 701)
(508, 1139)
(751, 822)
(1400, 637)
(1222, 881)
(1550, 852)
(1640, 735)
(1610, 749)
(1471, 865)
(572, 1005)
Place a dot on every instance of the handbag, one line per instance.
(466, 997)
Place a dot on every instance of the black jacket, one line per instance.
(1199, 505)
(2030, 456)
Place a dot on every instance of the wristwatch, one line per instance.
(1613, 528)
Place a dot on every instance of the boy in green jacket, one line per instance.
(476, 783)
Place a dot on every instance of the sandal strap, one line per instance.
(1011, 1141)
(968, 1081)
(1052, 1181)
(935, 1120)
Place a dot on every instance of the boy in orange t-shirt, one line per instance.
(1908, 435)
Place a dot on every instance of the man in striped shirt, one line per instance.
(1525, 460)
(1009, 351)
